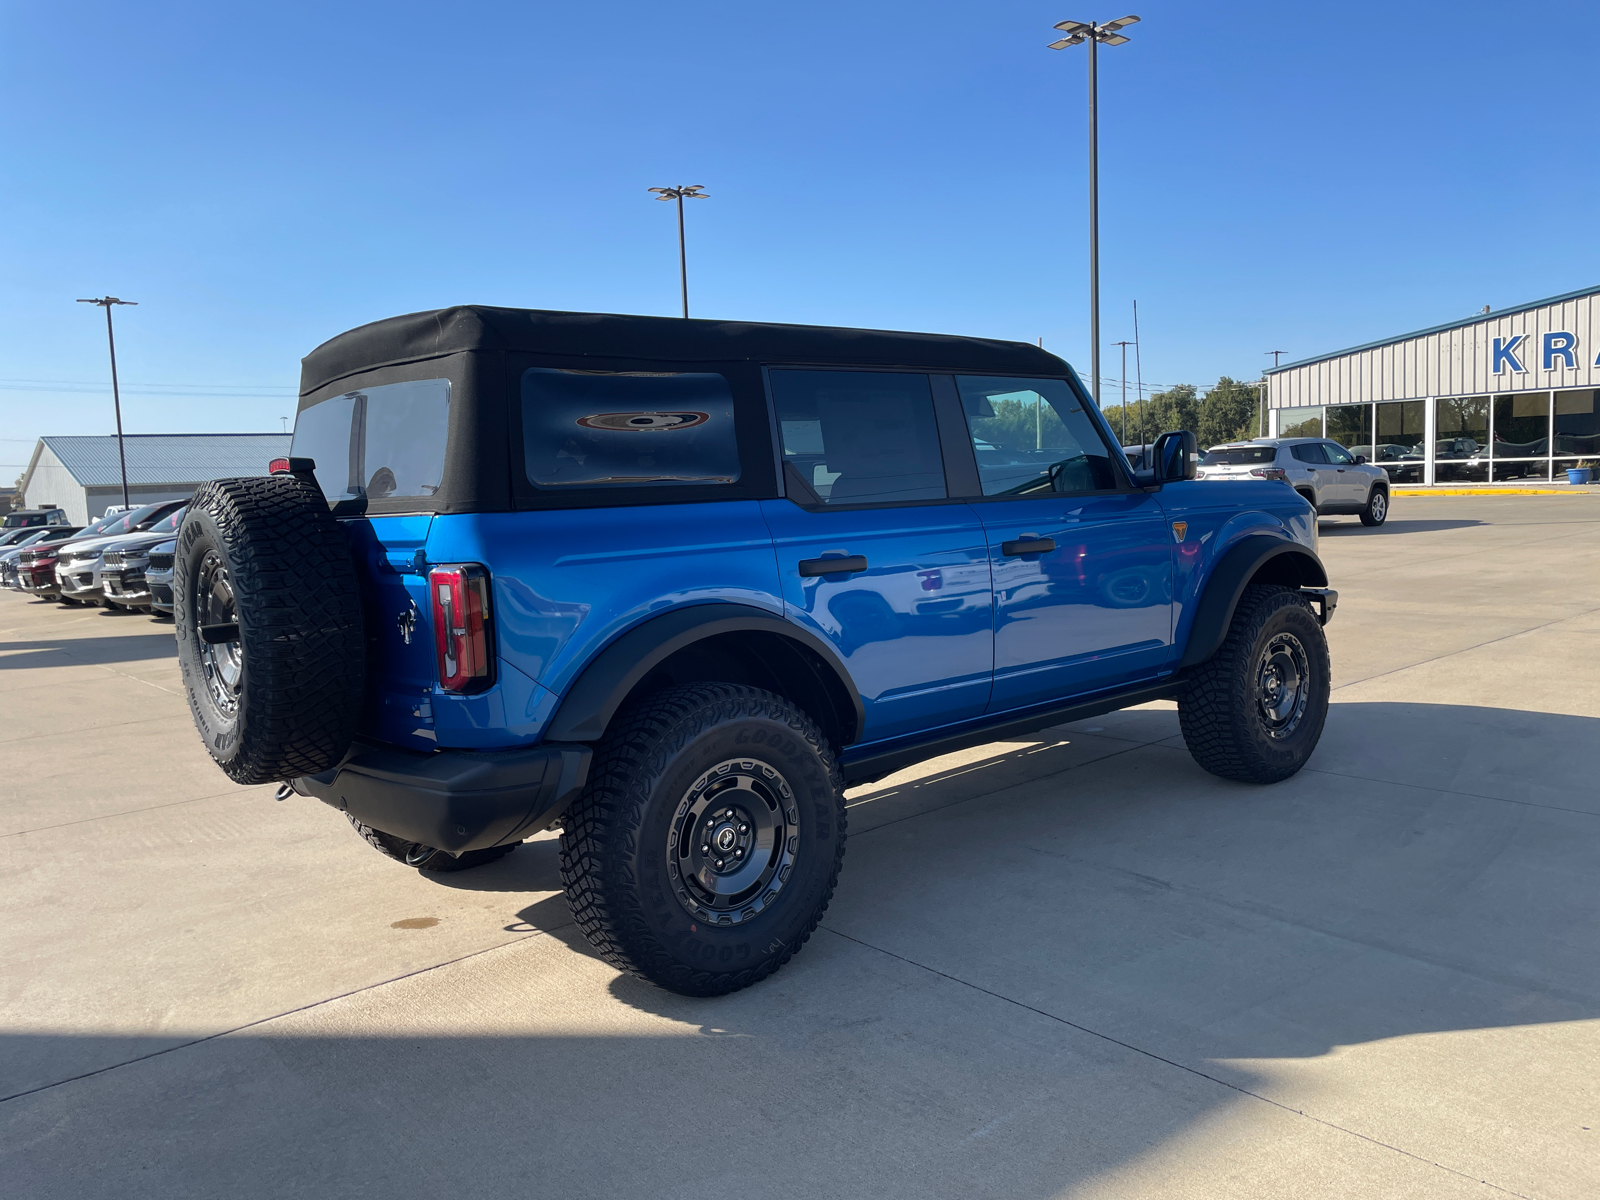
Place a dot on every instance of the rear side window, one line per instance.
(1310, 452)
(1238, 456)
(384, 442)
(1032, 436)
(860, 437)
(608, 429)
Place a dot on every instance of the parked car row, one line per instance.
(122, 560)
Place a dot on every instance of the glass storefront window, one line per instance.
(1401, 447)
(1522, 426)
(1351, 426)
(1461, 449)
(1530, 469)
(1300, 422)
(1577, 426)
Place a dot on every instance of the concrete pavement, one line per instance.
(1069, 966)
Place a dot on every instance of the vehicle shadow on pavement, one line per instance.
(1064, 964)
(1392, 526)
(93, 651)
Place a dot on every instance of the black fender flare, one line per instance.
(597, 693)
(1287, 562)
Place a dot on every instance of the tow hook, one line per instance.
(1326, 600)
(284, 792)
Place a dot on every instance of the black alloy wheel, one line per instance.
(731, 844)
(1283, 685)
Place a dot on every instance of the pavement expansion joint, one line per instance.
(133, 812)
(1505, 637)
(278, 1016)
(1195, 1071)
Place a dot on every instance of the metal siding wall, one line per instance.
(1452, 362)
(52, 483)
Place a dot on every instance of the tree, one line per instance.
(1228, 413)
(1176, 408)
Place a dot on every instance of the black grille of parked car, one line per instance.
(160, 561)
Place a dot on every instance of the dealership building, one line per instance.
(83, 475)
(1507, 396)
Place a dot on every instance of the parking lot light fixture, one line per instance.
(106, 302)
(1094, 34)
(693, 191)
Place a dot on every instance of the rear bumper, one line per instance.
(456, 800)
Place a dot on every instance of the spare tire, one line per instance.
(268, 613)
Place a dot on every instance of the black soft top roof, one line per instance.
(425, 335)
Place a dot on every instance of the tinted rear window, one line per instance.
(384, 442)
(1239, 456)
(627, 428)
(860, 437)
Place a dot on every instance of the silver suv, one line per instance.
(1332, 479)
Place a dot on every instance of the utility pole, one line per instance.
(1138, 369)
(680, 193)
(1094, 34)
(1124, 345)
(1276, 355)
(106, 302)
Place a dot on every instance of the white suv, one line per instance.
(1331, 478)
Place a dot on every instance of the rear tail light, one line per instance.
(459, 595)
(1277, 473)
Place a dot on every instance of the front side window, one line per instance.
(589, 429)
(1033, 436)
(1337, 454)
(385, 442)
(860, 437)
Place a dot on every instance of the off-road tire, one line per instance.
(427, 858)
(615, 838)
(1377, 510)
(1223, 724)
(299, 666)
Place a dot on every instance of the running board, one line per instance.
(880, 762)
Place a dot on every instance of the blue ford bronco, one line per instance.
(673, 585)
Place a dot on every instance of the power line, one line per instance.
(226, 390)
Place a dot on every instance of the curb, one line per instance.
(1496, 491)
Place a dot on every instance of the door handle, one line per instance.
(849, 565)
(1028, 543)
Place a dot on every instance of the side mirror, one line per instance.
(1360, 458)
(1176, 456)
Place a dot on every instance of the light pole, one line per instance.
(1094, 34)
(680, 193)
(1124, 345)
(106, 302)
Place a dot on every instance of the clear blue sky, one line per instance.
(261, 177)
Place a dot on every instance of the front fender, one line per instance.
(1260, 557)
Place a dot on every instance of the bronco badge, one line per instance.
(1179, 528)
